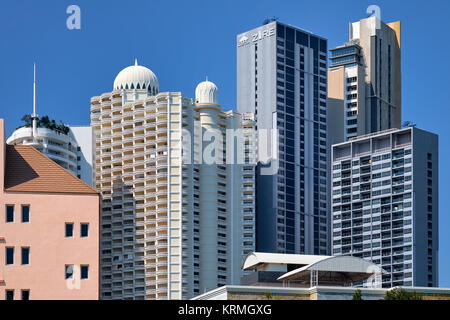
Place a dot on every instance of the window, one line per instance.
(84, 272)
(25, 214)
(25, 256)
(9, 256)
(84, 230)
(9, 295)
(69, 230)
(25, 294)
(69, 272)
(9, 213)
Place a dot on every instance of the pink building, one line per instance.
(49, 229)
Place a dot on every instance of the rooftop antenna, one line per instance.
(34, 116)
(269, 20)
(409, 124)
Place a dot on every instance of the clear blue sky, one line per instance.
(184, 41)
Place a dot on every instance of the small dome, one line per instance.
(137, 77)
(206, 93)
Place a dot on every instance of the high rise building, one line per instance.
(70, 147)
(49, 229)
(364, 81)
(282, 79)
(385, 203)
(172, 225)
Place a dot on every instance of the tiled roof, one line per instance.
(28, 170)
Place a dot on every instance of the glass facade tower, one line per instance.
(282, 79)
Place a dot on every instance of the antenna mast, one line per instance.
(34, 116)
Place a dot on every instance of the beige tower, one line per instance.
(364, 81)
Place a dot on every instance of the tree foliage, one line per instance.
(268, 295)
(46, 122)
(402, 294)
(357, 295)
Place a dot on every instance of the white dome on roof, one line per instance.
(206, 93)
(137, 77)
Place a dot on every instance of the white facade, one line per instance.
(84, 138)
(71, 151)
(171, 228)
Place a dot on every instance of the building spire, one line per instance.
(206, 78)
(135, 62)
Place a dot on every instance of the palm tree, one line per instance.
(27, 119)
(44, 122)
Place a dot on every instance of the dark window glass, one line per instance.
(9, 295)
(25, 294)
(290, 78)
(84, 272)
(69, 229)
(84, 230)
(25, 213)
(9, 213)
(25, 255)
(69, 272)
(314, 43)
(280, 30)
(290, 49)
(9, 256)
(290, 62)
(323, 45)
(302, 38)
(289, 34)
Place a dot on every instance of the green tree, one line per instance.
(27, 119)
(44, 122)
(357, 295)
(402, 294)
(268, 295)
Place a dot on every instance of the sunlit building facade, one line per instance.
(172, 226)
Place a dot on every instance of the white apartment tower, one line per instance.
(171, 226)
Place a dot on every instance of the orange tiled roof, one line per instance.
(28, 170)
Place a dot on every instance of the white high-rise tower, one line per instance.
(171, 228)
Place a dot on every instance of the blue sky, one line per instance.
(184, 41)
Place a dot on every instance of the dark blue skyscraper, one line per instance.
(282, 78)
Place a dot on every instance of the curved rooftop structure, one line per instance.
(206, 93)
(137, 78)
(346, 269)
(257, 260)
(277, 269)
